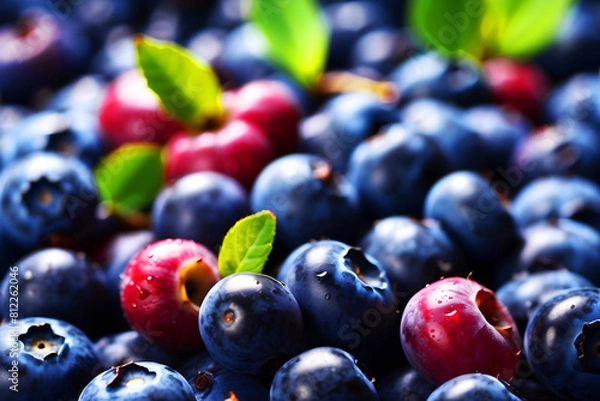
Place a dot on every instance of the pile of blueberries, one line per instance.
(440, 245)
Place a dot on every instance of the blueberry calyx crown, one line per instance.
(588, 346)
(130, 375)
(41, 342)
(203, 380)
(367, 272)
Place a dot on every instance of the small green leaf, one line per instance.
(247, 244)
(452, 27)
(130, 177)
(297, 36)
(521, 28)
(187, 88)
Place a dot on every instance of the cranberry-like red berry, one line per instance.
(456, 326)
(522, 86)
(271, 106)
(131, 112)
(239, 149)
(162, 289)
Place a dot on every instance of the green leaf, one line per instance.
(452, 27)
(130, 177)
(521, 28)
(297, 36)
(187, 88)
(247, 244)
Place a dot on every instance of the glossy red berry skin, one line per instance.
(456, 326)
(239, 149)
(521, 86)
(270, 105)
(131, 112)
(162, 289)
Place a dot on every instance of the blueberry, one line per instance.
(85, 93)
(45, 194)
(199, 206)
(403, 384)
(212, 381)
(310, 200)
(322, 374)
(445, 124)
(577, 99)
(572, 197)
(473, 387)
(471, 212)
(44, 359)
(251, 323)
(378, 52)
(500, 129)
(526, 292)
(130, 346)
(342, 123)
(61, 284)
(561, 343)
(347, 22)
(413, 253)
(72, 133)
(460, 82)
(568, 149)
(138, 381)
(393, 170)
(346, 300)
(556, 244)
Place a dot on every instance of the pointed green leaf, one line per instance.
(452, 27)
(187, 88)
(296, 34)
(521, 28)
(247, 244)
(130, 177)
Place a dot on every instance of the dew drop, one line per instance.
(572, 306)
(149, 279)
(450, 314)
(143, 293)
(327, 296)
(439, 301)
(256, 282)
(169, 241)
(179, 241)
(134, 306)
(150, 255)
(322, 274)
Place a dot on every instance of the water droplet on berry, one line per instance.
(169, 241)
(143, 293)
(134, 305)
(450, 314)
(322, 274)
(149, 279)
(150, 255)
(257, 282)
(327, 296)
(439, 301)
(28, 275)
(178, 241)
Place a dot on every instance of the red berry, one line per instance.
(162, 289)
(455, 326)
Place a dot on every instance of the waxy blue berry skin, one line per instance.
(461, 145)
(561, 344)
(212, 381)
(346, 301)
(61, 284)
(201, 207)
(45, 194)
(525, 293)
(127, 346)
(342, 124)
(310, 200)
(137, 381)
(54, 360)
(431, 75)
(473, 387)
(251, 323)
(393, 170)
(403, 384)
(473, 215)
(74, 133)
(322, 374)
(413, 253)
(550, 197)
(556, 244)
